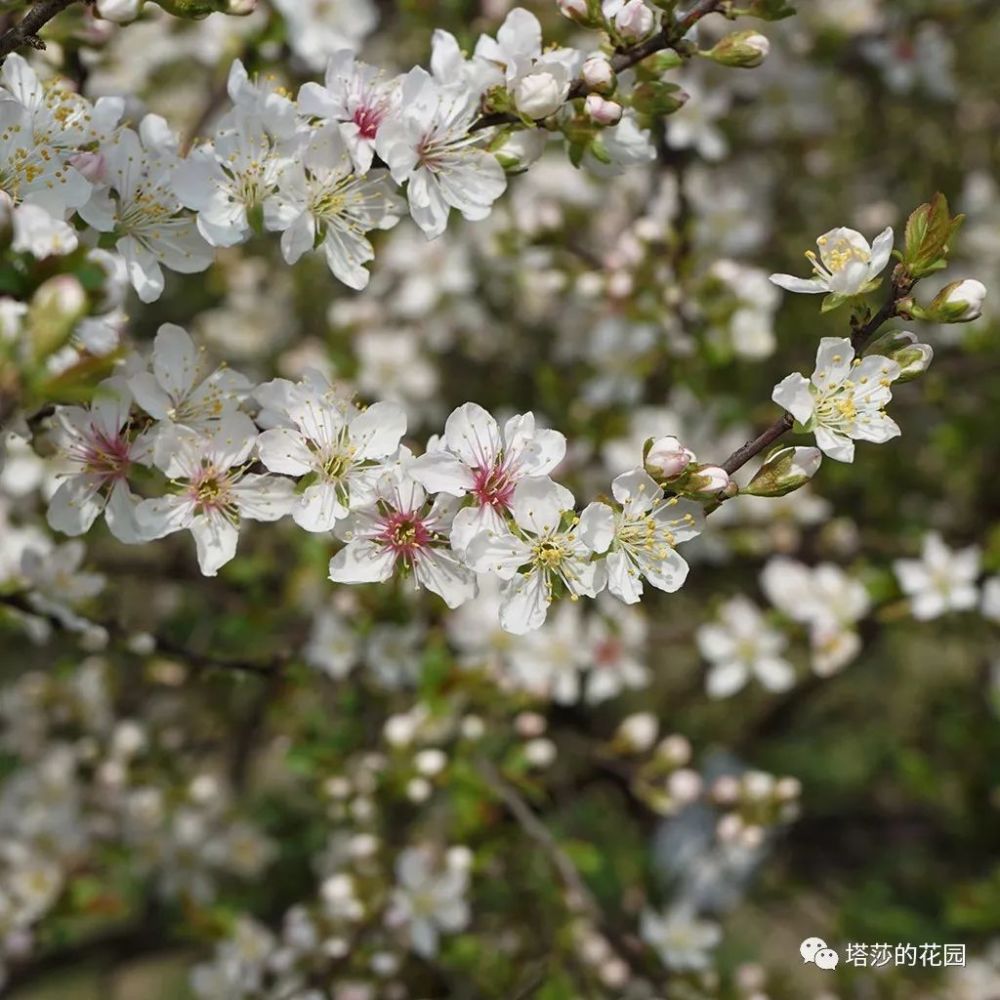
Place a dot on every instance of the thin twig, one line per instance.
(24, 34)
(198, 661)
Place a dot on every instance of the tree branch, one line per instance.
(22, 604)
(669, 36)
(24, 34)
(860, 336)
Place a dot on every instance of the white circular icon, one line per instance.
(810, 947)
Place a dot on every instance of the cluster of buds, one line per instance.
(752, 804)
(537, 752)
(676, 469)
(665, 781)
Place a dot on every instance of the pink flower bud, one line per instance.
(597, 73)
(575, 10)
(668, 458)
(602, 111)
(93, 166)
(634, 21)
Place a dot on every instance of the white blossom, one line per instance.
(477, 459)
(398, 531)
(682, 941)
(427, 144)
(941, 580)
(340, 448)
(321, 198)
(142, 211)
(544, 543)
(847, 264)
(99, 449)
(845, 399)
(740, 645)
(429, 898)
(641, 536)
(215, 492)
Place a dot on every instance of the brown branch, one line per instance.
(669, 36)
(24, 34)
(200, 662)
(860, 335)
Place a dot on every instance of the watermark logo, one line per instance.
(817, 952)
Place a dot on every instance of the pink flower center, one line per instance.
(368, 118)
(105, 456)
(607, 653)
(404, 533)
(493, 487)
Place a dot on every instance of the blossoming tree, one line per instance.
(449, 343)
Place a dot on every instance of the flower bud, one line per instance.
(684, 786)
(93, 166)
(522, 148)
(667, 458)
(119, 11)
(538, 95)
(785, 471)
(634, 21)
(602, 111)
(959, 302)
(706, 481)
(598, 74)
(903, 347)
(55, 309)
(575, 10)
(540, 753)
(637, 732)
(743, 50)
(240, 8)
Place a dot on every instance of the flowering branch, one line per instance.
(669, 36)
(24, 34)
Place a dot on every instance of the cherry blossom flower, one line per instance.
(844, 401)
(99, 449)
(740, 644)
(550, 662)
(941, 580)
(616, 642)
(543, 541)
(427, 144)
(399, 532)
(144, 213)
(320, 196)
(429, 898)
(341, 449)
(642, 536)
(216, 494)
(357, 96)
(478, 460)
(682, 941)
(179, 390)
(847, 265)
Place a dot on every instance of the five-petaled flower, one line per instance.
(847, 265)
(844, 401)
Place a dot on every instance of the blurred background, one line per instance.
(617, 309)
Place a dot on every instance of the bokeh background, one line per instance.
(616, 309)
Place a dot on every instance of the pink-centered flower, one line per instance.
(99, 447)
(399, 531)
(478, 460)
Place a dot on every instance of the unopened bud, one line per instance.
(634, 21)
(539, 95)
(785, 472)
(743, 50)
(575, 10)
(667, 458)
(707, 481)
(637, 733)
(903, 347)
(598, 74)
(119, 11)
(959, 302)
(55, 309)
(602, 111)
(93, 166)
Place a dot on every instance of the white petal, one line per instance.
(793, 393)
(216, 539)
(597, 527)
